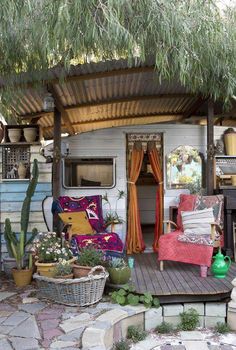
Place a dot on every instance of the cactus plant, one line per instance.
(17, 245)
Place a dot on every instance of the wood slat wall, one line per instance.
(12, 194)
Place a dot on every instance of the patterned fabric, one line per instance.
(195, 239)
(110, 243)
(216, 202)
(91, 204)
(172, 249)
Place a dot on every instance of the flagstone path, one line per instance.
(27, 323)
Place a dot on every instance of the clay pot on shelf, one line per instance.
(30, 134)
(22, 170)
(14, 135)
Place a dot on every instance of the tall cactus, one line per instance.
(25, 211)
(16, 246)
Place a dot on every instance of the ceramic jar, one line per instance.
(14, 135)
(30, 134)
(22, 170)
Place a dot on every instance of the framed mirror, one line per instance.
(185, 169)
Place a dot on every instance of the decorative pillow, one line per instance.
(198, 222)
(79, 221)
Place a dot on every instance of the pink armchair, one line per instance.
(193, 248)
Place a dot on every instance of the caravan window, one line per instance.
(89, 172)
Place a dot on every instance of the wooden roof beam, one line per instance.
(62, 110)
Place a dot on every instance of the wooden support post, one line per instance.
(210, 148)
(56, 173)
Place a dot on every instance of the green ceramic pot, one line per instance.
(119, 275)
(220, 265)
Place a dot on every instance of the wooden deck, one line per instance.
(178, 282)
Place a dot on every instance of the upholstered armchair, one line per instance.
(197, 232)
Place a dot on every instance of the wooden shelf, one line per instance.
(20, 143)
(15, 180)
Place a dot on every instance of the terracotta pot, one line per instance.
(30, 134)
(22, 171)
(22, 277)
(14, 135)
(65, 277)
(81, 271)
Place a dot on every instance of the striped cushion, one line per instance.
(198, 222)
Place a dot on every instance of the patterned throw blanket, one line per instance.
(110, 243)
(91, 204)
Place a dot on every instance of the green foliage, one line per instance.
(126, 296)
(111, 216)
(122, 345)
(189, 320)
(16, 244)
(25, 210)
(63, 268)
(90, 256)
(117, 262)
(136, 334)
(165, 328)
(222, 327)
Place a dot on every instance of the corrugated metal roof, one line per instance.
(106, 94)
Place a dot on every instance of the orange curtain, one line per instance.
(134, 241)
(157, 172)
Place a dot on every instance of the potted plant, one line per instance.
(88, 257)
(22, 274)
(64, 269)
(112, 218)
(119, 271)
(48, 250)
(11, 237)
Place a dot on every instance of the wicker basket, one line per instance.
(74, 292)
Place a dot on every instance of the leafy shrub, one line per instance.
(222, 327)
(136, 334)
(121, 345)
(90, 256)
(165, 328)
(126, 296)
(189, 320)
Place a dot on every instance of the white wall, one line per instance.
(112, 142)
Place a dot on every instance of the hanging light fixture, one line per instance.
(48, 103)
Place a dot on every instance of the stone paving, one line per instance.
(27, 323)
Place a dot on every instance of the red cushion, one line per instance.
(186, 203)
